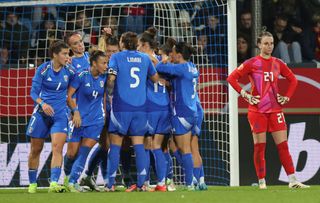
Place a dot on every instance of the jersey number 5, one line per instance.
(133, 74)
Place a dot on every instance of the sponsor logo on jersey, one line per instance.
(87, 85)
(49, 79)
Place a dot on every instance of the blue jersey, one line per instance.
(81, 63)
(90, 92)
(132, 69)
(184, 85)
(52, 86)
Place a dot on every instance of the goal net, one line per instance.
(29, 27)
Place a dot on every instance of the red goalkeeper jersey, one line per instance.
(263, 75)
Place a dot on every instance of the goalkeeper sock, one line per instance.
(78, 165)
(285, 157)
(196, 173)
(201, 179)
(140, 163)
(113, 158)
(32, 175)
(160, 165)
(94, 160)
(168, 158)
(178, 157)
(68, 163)
(188, 168)
(147, 164)
(259, 161)
(55, 174)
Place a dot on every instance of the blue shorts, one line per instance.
(128, 123)
(200, 116)
(41, 125)
(92, 132)
(159, 122)
(183, 125)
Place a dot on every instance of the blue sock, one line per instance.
(68, 163)
(78, 165)
(160, 161)
(103, 163)
(140, 163)
(147, 164)
(113, 163)
(178, 157)
(32, 175)
(188, 167)
(169, 171)
(94, 160)
(55, 174)
(196, 173)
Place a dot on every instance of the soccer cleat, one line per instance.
(202, 186)
(262, 184)
(66, 181)
(132, 188)
(75, 188)
(89, 181)
(170, 185)
(161, 188)
(56, 188)
(32, 188)
(298, 185)
(112, 189)
(189, 188)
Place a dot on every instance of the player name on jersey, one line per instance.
(134, 59)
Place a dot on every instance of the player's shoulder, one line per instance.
(83, 74)
(278, 60)
(70, 69)
(44, 68)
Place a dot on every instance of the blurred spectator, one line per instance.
(15, 37)
(311, 40)
(245, 25)
(185, 29)
(4, 56)
(84, 26)
(201, 58)
(111, 22)
(243, 48)
(132, 19)
(47, 33)
(216, 49)
(40, 12)
(286, 40)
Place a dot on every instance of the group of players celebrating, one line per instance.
(136, 93)
(129, 92)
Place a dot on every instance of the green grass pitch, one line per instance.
(216, 194)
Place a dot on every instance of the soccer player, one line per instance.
(158, 111)
(80, 61)
(265, 106)
(198, 171)
(49, 91)
(127, 83)
(184, 105)
(88, 111)
(99, 156)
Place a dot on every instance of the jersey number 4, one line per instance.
(133, 74)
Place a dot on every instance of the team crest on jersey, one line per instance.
(101, 83)
(65, 77)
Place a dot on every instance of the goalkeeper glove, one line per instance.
(282, 99)
(253, 100)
